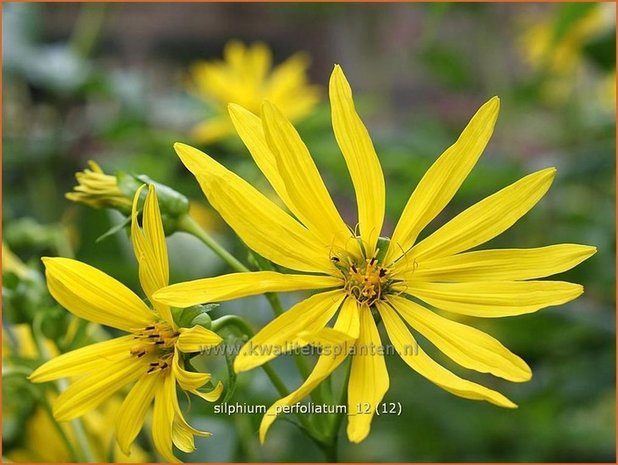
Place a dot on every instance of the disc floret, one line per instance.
(365, 280)
(157, 340)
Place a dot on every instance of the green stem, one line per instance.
(343, 399)
(187, 224)
(330, 451)
(76, 425)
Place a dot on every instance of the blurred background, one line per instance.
(120, 83)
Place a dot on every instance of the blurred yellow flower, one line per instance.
(246, 77)
(544, 50)
(40, 429)
(558, 51)
(97, 189)
(151, 355)
(12, 263)
(363, 277)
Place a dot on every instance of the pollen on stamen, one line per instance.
(158, 341)
(364, 280)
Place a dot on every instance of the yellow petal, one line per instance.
(349, 318)
(151, 250)
(163, 418)
(495, 298)
(467, 346)
(249, 128)
(502, 264)
(182, 432)
(282, 334)
(133, 410)
(361, 159)
(93, 295)
(325, 338)
(212, 130)
(311, 202)
(211, 396)
(88, 392)
(83, 360)
(368, 378)
(237, 285)
(288, 88)
(443, 179)
(262, 225)
(182, 438)
(259, 61)
(417, 359)
(326, 364)
(196, 339)
(486, 219)
(187, 380)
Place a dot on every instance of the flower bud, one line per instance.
(99, 190)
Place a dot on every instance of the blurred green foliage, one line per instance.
(72, 92)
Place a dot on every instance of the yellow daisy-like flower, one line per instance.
(364, 276)
(151, 355)
(246, 77)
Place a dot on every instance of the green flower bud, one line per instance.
(195, 315)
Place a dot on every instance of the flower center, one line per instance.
(157, 340)
(367, 281)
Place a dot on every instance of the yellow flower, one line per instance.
(151, 355)
(12, 263)
(558, 55)
(97, 189)
(558, 52)
(363, 276)
(39, 427)
(246, 77)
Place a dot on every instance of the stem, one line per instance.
(78, 428)
(330, 451)
(187, 224)
(343, 399)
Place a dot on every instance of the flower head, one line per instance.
(98, 190)
(151, 355)
(364, 278)
(246, 77)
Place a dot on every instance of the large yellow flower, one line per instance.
(364, 276)
(151, 355)
(246, 77)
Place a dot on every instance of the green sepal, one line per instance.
(192, 316)
(172, 203)
(382, 247)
